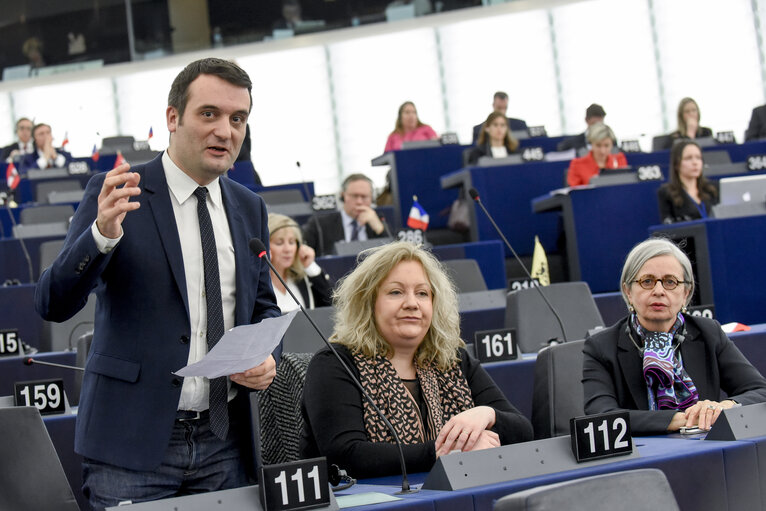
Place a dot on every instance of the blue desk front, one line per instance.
(13, 262)
(729, 263)
(507, 191)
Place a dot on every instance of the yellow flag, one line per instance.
(540, 264)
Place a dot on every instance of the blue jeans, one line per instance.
(196, 461)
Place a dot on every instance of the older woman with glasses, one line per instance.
(667, 367)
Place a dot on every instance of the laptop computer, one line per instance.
(738, 190)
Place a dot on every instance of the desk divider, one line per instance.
(739, 423)
(463, 470)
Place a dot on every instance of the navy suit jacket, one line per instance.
(142, 328)
(30, 160)
(513, 125)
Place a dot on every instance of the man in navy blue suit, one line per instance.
(44, 156)
(500, 104)
(141, 241)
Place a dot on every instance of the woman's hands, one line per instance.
(306, 255)
(468, 431)
(702, 414)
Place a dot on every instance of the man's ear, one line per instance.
(172, 118)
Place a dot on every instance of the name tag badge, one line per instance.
(756, 162)
(299, 484)
(415, 236)
(725, 137)
(649, 173)
(45, 395)
(522, 283)
(496, 345)
(536, 131)
(532, 154)
(10, 344)
(630, 146)
(705, 311)
(78, 167)
(601, 435)
(324, 203)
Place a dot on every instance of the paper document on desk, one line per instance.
(241, 348)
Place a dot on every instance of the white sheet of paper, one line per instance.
(241, 348)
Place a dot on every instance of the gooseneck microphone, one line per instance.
(29, 361)
(22, 243)
(259, 249)
(475, 196)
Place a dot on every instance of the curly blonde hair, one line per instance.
(354, 300)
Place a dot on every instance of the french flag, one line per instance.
(418, 217)
(95, 155)
(119, 161)
(12, 176)
(151, 133)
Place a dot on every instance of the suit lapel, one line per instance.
(695, 363)
(158, 199)
(241, 251)
(632, 369)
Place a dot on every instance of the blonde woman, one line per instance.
(397, 328)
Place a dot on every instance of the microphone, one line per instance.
(314, 215)
(259, 249)
(29, 361)
(475, 196)
(385, 227)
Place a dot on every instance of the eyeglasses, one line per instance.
(669, 282)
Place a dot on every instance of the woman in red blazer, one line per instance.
(601, 138)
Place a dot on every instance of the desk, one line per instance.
(729, 263)
(506, 191)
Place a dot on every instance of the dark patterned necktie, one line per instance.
(219, 412)
(354, 231)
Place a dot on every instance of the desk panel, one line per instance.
(17, 312)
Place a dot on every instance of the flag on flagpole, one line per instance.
(95, 155)
(151, 133)
(119, 161)
(418, 218)
(66, 140)
(540, 264)
(12, 176)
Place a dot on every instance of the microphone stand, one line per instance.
(29, 361)
(314, 214)
(475, 196)
(259, 249)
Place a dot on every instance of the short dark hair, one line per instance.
(500, 95)
(355, 177)
(595, 110)
(224, 69)
(39, 125)
(22, 119)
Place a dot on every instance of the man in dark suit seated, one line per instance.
(164, 246)
(357, 221)
(593, 114)
(24, 146)
(45, 155)
(500, 104)
(757, 127)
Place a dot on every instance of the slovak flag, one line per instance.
(12, 176)
(418, 217)
(151, 133)
(66, 140)
(95, 156)
(119, 161)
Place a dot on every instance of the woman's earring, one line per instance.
(631, 308)
(683, 309)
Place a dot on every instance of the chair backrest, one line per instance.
(558, 394)
(49, 250)
(466, 274)
(122, 143)
(346, 248)
(661, 142)
(717, 157)
(644, 489)
(280, 410)
(46, 214)
(284, 196)
(535, 324)
(65, 185)
(301, 337)
(33, 477)
(83, 347)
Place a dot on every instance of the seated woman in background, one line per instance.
(600, 156)
(296, 265)
(397, 327)
(688, 118)
(688, 195)
(665, 366)
(495, 140)
(408, 128)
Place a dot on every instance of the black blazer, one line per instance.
(513, 125)
(320, 288)
(331, 225)
(757, 127)
(479, 151)
(670, 213)
(668, 142)
(613, 375)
